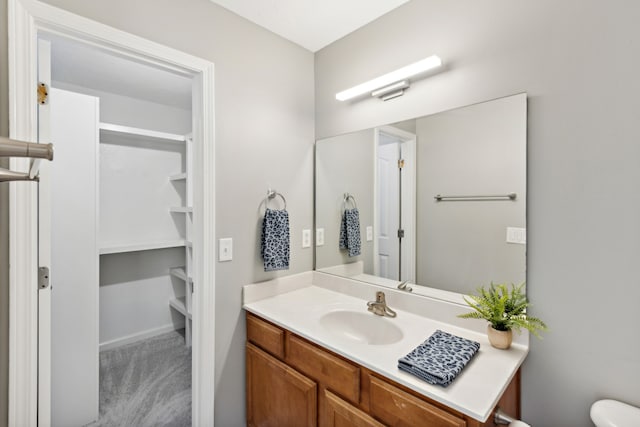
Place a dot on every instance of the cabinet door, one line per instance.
(277, 395)
(338, 413)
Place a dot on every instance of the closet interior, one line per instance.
(122, 226)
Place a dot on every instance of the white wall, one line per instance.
(128, 111)
(264, 138)
(74, 258)
(577, 60)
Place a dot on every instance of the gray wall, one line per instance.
(479, 149)
(264, 135)
(577, 60)
(344, 164)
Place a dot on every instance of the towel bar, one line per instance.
(510, 196)
(14, 148)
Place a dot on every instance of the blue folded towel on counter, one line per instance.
(275, 240)
(350, 231)
(440, 358)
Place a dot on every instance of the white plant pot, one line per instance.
(499, 339)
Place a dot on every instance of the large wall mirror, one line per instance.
(438, 201)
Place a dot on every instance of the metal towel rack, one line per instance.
(346, 199)
(271, 194)
(13, 148)
(510, 196)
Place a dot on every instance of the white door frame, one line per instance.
(408, 197)
(26, 18)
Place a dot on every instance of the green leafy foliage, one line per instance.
(505, 309)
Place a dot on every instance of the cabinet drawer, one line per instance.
(339, 413)
(337, 375)
(396, 407)
(265, 335)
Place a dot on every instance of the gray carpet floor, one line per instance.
(147, 383)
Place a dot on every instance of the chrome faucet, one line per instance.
(379, 306)
(404, 286)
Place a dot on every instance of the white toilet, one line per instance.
(611, 413)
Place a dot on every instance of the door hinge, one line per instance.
(43, 93)
(401, 234)
(43, 277)
(400, 163)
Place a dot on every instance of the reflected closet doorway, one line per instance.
(394, 204)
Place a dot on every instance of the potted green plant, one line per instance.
(505, 310)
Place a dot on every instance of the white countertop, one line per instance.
(298, 302)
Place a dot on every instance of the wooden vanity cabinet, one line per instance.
(292, 382)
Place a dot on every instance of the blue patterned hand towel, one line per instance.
(350, 231)
(275, 240)
(440, 358)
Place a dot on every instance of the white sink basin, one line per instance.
(365, 327)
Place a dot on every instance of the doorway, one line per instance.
(394, 206)
(30, 308)
(119, 227)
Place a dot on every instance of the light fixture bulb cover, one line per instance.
(410, 70)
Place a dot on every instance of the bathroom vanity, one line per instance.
(316, 356)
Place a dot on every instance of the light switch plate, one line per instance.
(225, 249)
(306, 238)
(319, 236)
(369, 233)
(517, 235)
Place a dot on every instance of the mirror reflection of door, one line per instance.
(388, 207)
(394, 208)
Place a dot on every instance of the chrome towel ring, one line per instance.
(348, 197)
(271, 194)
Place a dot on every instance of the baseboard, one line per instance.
(149, 333)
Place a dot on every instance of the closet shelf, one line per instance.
(181, 209)
(110, 128)
(179, 305)
(106, 249)
(178, 177)
(179, 272)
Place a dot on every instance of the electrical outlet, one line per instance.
(517, 235)
(225, 249)
(306, 238)
(319, 236)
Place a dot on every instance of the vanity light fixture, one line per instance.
(392, 84)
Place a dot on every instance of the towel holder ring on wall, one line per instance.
(271, 194)
(348, 197)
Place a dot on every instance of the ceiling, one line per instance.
(83, 65)
(313, 24)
